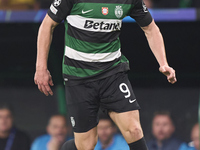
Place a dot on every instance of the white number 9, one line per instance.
(126, 90)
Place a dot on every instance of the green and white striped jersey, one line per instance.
(92, 29)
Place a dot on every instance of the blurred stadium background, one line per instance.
(179, 22)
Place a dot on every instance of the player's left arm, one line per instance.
(156, 44)
(144, 19)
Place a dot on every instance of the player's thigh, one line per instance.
(86, 140)
(117, 94)
(83, 106)
(129, 124)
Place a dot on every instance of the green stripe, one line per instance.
(123, 59)
(79, 72)
(88, 47)
(97, 10)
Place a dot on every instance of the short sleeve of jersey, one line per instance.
(60, 9)
(140, 13)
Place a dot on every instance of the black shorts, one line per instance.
(113, 93)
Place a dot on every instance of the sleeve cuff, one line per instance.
(53, 17)
(145, 21)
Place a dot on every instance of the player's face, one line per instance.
(105, 131)
(57, 128)
(195, 136)
(6, 120)
(162, 127)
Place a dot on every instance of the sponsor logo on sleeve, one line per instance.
(53, 10)
(56, 3)
(144, 7)
(72, 121)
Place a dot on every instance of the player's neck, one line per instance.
(4, 134)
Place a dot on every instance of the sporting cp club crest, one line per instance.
(118, 11)
(104, 10)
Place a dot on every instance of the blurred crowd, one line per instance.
(45, 4)
(25, 4)
(109, 138)
(172, 3)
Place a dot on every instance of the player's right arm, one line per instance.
(43, 78)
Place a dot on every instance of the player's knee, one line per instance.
(87, 143)
(135, 131)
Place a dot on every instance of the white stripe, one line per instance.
(98, 57)
(93, 24)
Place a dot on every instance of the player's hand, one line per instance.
(169, 73)
(44, 80)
